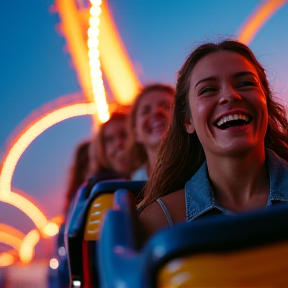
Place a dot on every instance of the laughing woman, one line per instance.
(226, 149)
(147, 125)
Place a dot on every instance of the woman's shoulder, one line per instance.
(170, 200)
(176, 205)
(152, 217)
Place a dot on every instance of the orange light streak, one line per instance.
(114, 58)
(71, 24)
(28, 208)
(33, 131)
(94, 62)
(258, 18)
(12, 237)
(11, 230)
(51, 229)
(58, 220)
(6, 259)
(26, 252)
(71, 27)
(24, 244)
(115, 61)
(10, 240)
(10, 161)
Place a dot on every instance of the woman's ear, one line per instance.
(189, 125)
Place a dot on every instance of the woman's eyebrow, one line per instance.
(144, 107)
(244, 73)
(236, 75)
(206, 79)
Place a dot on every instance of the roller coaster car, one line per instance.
(83, 226)
(244, 250)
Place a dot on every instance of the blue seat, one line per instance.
(83, 226)
(244, 250)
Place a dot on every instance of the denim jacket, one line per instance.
(200, 200)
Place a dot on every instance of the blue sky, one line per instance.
(158, 34)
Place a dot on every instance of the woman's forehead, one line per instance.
(219, 63)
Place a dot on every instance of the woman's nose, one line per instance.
(160, 109)
(120, 142)
(229, 94)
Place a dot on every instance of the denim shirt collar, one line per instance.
(200, 198)
(278, 177)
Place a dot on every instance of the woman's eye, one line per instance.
(144, 111)
(166, 106)
(246, 84)
(123, 134)
(207, 89)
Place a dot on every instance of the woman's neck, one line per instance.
(239, 184)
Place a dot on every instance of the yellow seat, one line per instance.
(100, 201)
(94, 217)
(265, 266)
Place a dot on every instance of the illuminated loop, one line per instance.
(16, 239)
(10, 240)
(11, 231)
(11, 237)
(26, 252)
(6, 259)
(24, 245)
(257, 19)
(33, 131)
(10, 162)
(31, 210)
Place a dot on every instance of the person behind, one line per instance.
(147, 124)
(108, 149)
(226, 149)
(108, 156)
(102, 158)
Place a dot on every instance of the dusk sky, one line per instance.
(36, 68)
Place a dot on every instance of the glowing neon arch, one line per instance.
(10, 161)
(21, 243)
(33, 131)
(11, 237)
(257, 19)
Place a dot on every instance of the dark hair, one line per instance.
(78, 172)
(135, 149)
(181, 154)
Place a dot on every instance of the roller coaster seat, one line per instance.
(83, 226)
(244, 250)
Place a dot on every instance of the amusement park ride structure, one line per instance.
(96, 48)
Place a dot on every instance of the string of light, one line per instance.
(94, 62)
